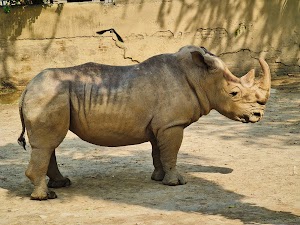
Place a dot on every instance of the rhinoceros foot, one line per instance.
(173, 178)
(158, 175)
(43, 196)
(59, 183)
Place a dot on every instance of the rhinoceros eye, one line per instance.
(233, 93)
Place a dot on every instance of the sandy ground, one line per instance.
(237, 174)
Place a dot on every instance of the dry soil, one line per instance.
(237, 174)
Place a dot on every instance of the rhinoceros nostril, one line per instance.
(257, 114)
(261, 102)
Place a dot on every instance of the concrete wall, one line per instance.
(36, 37)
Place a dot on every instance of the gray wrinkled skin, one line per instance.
(125, 105)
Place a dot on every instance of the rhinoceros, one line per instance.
(152, 101)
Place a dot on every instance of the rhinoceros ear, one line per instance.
(211, 61)
(248, 79)
(198, 59)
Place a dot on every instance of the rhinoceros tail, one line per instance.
(21, 139)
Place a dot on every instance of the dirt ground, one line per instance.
(237, 174)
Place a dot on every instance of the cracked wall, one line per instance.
(36, 37)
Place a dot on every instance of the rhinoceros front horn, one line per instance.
(265, 80)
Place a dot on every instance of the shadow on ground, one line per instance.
(126, 179)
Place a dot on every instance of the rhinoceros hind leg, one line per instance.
(57, 180)
(36, 172)
(59, 183)
(169, 142)
(50, 195)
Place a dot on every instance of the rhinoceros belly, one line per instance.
(110, 125)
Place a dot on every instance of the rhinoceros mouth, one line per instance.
(252, 118)
(244, 120)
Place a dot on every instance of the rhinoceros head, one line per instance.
(242, 99)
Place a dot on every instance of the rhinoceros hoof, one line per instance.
(158, 175)
(59, 183)
(173, 179)
(45, 196)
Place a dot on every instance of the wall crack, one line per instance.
(241, 50)
(123, 47)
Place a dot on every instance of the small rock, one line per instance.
(44, 217)
(3, 178)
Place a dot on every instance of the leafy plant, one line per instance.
(10, 3)
(6, 9)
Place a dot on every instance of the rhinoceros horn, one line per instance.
(248, 79)
(265, 80)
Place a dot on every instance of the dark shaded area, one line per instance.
(11, 27)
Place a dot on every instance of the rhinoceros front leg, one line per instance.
(36, 172)
(158, 173)
(57, 180)
(169, 142)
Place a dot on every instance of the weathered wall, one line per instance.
(36, 37)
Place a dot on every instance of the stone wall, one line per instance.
(36, 37)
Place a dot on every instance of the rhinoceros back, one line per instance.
(116, 105)
(107, 105)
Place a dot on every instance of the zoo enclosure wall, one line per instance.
(36, 37)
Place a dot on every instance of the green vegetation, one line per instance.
(11, 3)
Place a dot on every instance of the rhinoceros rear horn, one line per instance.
(265, 80)
(248, 79)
